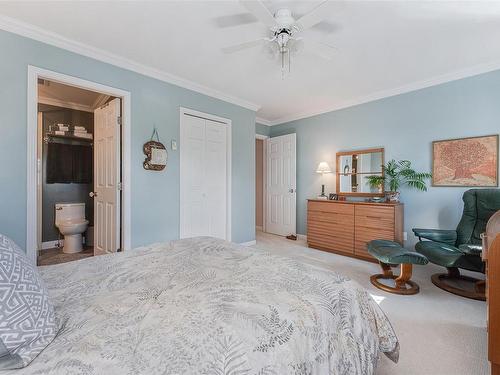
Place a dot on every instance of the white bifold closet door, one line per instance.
(203, 195)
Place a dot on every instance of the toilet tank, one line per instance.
(70, 211)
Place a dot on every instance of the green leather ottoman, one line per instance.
(390, 253)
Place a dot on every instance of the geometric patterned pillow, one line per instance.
(27, 318)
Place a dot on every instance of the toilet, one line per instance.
(70, 220)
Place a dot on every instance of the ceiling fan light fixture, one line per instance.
(284, 18)
(284, 28)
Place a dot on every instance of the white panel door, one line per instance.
(203, 198)
(281, 185)
(107, 178)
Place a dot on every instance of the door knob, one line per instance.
(291, 191)
(93, 194)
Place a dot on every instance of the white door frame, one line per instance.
(31, 184)
(264, 176)
(228, 122)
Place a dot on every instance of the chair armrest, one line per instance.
(438, 235)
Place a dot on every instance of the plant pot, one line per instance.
(392, 196)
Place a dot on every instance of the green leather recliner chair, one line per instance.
(461, 248)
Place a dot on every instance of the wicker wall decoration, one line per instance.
(156, 154)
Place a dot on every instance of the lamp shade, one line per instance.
(323, 167)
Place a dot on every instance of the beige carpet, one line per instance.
(439, 333)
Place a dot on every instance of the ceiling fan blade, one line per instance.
(259, 10)
(315, 16)
(234, 20)
(320, 49)
(326, 27)
(245, 45)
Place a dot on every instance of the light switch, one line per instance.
(174, 145)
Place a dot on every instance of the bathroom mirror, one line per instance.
(352, 169)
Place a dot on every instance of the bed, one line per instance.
(206, 306)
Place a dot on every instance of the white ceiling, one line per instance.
(383, 48)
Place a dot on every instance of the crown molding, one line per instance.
(262, 121)
(33, 32)
(437, 80)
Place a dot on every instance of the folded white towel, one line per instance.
(58, 132)
(80, 128)
(88, 135)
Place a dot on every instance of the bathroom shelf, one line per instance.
(68, 136)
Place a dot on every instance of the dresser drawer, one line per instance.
(375, 217)
(331, 228)
(365, 235)
(326, 230)
(339, 208)
(336, 242)
(333, 218)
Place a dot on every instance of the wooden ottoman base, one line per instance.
(403, 284)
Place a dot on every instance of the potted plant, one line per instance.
(396, 174)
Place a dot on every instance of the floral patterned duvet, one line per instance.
(206, 306)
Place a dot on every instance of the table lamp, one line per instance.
(323, 168)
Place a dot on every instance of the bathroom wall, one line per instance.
(62, 193)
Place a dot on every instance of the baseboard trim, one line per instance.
(51, 244)
(249, 243)
(302, 237)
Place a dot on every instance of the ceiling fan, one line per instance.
(284, 31)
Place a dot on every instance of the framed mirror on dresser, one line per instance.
(352, 169)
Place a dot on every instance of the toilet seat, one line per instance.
(73, 225)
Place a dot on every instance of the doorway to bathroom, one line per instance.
(79, 172)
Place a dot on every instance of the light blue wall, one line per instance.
(405, 125)
(262, 129)
(155, 195)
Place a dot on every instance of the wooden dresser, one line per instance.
(345, 227)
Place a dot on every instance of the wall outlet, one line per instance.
(174, 145)
(405, 236)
